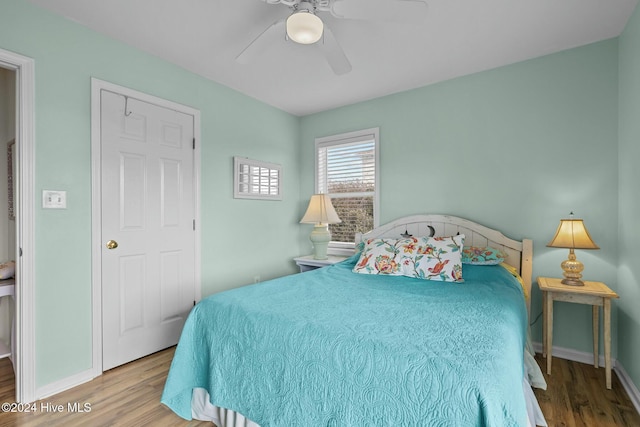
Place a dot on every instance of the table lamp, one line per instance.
(572, 234)
(321, 213)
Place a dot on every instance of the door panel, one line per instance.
(131, 292)
(132, 192)
(148, 207)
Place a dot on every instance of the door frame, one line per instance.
(96, 200)
(24, 200)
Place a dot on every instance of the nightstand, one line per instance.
(307, 263)
(596, 294)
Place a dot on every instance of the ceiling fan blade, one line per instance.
(411, 11)
(332, 50)
(262, 42)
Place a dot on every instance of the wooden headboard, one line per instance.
(519, 254)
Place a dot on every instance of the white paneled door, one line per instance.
(148, 238)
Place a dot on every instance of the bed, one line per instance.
(332, 347)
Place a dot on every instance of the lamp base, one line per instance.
(572, 282)
(320, 237)
(572, 270)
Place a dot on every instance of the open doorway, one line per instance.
(8, 248)
(17, 230)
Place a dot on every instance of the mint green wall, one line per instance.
(516, 148)
(629, 195)
(66, 56)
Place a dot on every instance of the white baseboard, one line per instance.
(629, 386)
(584, 357)
(65, 384)
(571, 354)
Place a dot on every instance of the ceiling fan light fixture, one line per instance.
(304, 27)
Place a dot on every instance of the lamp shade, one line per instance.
(304, 27)
(320, 211)
(572, 234)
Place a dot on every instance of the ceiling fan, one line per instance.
(304, 26)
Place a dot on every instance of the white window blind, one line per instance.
(347, 172)
(254, 179)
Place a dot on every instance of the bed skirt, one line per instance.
(202, 409)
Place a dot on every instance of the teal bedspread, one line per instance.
(334, 348)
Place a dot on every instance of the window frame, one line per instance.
(347, 248)
(237, 194)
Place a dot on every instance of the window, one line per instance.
(254, 179)
(347, 170)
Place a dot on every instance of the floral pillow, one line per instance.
(478, 255)
(439, 258)
(384, 256)
(432, 258)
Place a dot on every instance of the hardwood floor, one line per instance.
(576, 396)
(130, 396)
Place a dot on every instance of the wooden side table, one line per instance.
(306, 263)
(596, 294)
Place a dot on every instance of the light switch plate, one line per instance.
(54, 199)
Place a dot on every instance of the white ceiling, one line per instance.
(456, 38)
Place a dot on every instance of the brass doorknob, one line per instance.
(112, 244)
